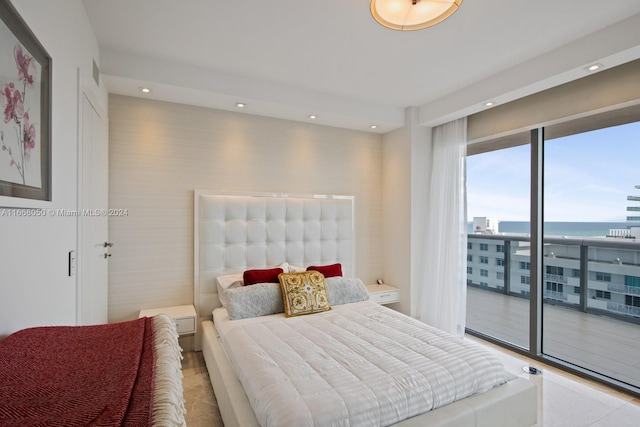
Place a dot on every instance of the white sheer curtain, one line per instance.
(441, 282)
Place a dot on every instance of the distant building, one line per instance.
(634, 208)
(501, 263)
(624, 233)
(484, 225)
(629, 232)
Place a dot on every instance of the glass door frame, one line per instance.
(536, 350)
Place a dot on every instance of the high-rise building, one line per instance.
(634, 208)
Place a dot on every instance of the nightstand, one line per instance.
(184, 316)
(383, 294)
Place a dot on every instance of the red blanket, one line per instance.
(78, 375)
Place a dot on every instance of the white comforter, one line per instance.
(359, 364)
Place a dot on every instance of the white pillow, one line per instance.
(284, 266)
(294, 269)
(227, 282)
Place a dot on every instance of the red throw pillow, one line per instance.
(270, 275)
(327, 270)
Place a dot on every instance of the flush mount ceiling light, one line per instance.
(407, 15)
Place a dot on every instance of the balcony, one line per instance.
(601, 344)
(590, 316)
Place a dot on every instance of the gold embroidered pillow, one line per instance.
(304, 293)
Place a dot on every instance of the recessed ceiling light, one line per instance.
(373, 127)
(313, 117)
(593, 67)
(145, 89)
(240, 104)
(489, 104)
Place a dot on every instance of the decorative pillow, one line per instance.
(345, 290)
(327, 270)
(285, 267)
(269, 275)
(294, 269)
(225, 282)
(304, 293)
(260, 299)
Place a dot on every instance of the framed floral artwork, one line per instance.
(25, 100)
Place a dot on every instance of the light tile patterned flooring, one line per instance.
(202, 408)
(564, 400)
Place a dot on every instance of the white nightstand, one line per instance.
(184, 317)
(383, 294)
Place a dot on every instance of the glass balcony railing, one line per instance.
(608, 265)
(591, 298)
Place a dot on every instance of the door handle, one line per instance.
(106, 255)
(107, 244)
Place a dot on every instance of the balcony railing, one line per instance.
(555, 278)
(554, 295)
(622, 289)
(624, 309)
(618, 257)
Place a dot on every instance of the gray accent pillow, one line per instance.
(256, 300)
(344, 290)
(263, 299)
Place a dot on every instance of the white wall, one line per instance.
(406, 169)
(34, 286)
(160, 152)
(396, 195)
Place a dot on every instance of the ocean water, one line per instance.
(572, 229)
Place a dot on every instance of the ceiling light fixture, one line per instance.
(489, 104)
(407, 15)
(240, 104)
(593, 67)
(312, 117)
(145, 89)
(373, 127)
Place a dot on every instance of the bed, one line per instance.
(347, 362)
(120, 374)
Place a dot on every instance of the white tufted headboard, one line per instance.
(234, 232)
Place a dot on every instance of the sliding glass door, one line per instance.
(591, 263)
(567, 289)
(497, 248)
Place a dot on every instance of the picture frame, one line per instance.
(25, 100)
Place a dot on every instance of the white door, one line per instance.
(93, 221)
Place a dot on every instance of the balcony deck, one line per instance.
(598, 343)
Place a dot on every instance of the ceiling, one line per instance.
(291, 59)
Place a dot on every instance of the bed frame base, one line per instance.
(511, 405)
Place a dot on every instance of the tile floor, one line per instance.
(202, 408)
(564, 400)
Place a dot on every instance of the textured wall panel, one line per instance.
(160, 152)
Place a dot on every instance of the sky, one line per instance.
(587, 177)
